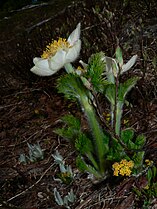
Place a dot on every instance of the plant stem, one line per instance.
(119, 111)
(101, 144)
(69, 68)
(115, 104)
(91, 158)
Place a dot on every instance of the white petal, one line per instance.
(73, 52)
(57, 62)
(37, 59)
(75, 35)
(41, 63)
(129, 64)
(41, 67)
(41, 72)
(111, 68)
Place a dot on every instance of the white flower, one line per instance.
(57, 54)
(112, 68)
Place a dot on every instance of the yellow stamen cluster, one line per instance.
(80, 69)
(123, 168)
(53, 47)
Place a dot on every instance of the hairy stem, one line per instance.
(69, 68)
(101, 145)
(119, 111)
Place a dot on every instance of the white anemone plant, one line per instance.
(99, 145)
(58, 54)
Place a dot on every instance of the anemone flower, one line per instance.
(58, 54)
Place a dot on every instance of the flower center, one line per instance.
(53, 47)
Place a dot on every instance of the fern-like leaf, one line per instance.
(72, 129)
(125, 87)
(83, 144)
(72, 87)
(95, 70)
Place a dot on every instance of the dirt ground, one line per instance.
(30, 110)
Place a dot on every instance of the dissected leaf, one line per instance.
(127, 135)
(72, 129)
(125, 87)
(95, 70)
(72, 121)
(138, 161)
(110, 93)
(72, 87)
(149, 175)
(140, 141)
(83, 144)
(83, 166)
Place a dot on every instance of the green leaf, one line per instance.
(71, 121)
(95, 70)
(154, 170)
(149, 176)
(131, 145)
(140, 141)
(155, 188)
(138, 161)
(72, 87)
(83, 144)
(110, 93)
(125, 87)
(72, 129)
(116, 152)
(127, 135)
(119, 56)
(83, 166)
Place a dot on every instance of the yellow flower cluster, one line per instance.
(123, 168)
(53, 47)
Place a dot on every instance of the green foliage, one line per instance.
(110, 93)
(116, 152)
(97, 147)
(118, 102)
(140, 141)
(119, 56)
(83, 144)
(83, 166)
(95, 70)
(71, 86)
(151, 177)
(125, 87)
(138, 158)
(149, 192)
(127, 136)
(72, 128)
